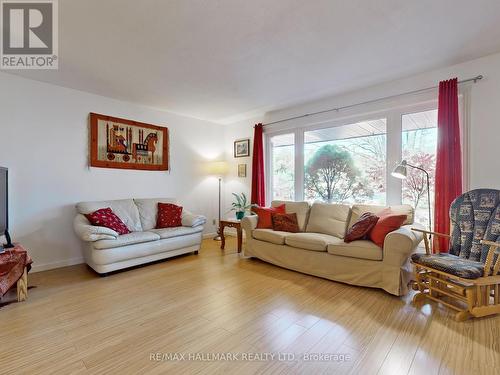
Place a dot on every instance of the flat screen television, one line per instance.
(4, 206)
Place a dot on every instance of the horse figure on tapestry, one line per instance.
(146, 147)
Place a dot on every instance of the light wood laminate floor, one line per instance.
(77, 322)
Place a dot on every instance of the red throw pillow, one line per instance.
(384, 226)
(105, 217)
(169, 215)
(264, 214)
(285, 222)
(361, 228)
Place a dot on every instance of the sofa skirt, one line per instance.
(354, 271)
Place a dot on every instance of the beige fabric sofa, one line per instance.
(319, 249)
(105, 251)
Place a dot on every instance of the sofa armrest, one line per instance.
(400, 244)
(91, 233)
(191, 220)
(249, 223)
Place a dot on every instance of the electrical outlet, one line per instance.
(214, 221)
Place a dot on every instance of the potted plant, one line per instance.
(240, 205)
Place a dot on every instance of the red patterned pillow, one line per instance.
(105, 217)
(169, 215)
(285, 222)
(264, 214)
(384, 226)
(361, 228)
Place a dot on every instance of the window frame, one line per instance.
(393, 112)
(268, 163)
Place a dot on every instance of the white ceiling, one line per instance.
(225, 60)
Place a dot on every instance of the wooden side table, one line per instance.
(22, 286)
(230, 223)
(14, 266)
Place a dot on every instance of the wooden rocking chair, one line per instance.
(467, 278)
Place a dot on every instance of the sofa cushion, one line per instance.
(105, 217)
(359, 209)
(329, 219)
(444, 262)
(299, 208)
(269, 235)
(361, 228)
(125, 209)
(176, 231)
(285, 222)
(127, 239)
(169, 216)
(384, 226)
(361, 249)
(264, 214)
(311, 241)
(148, 210)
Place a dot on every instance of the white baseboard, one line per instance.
(209, 235)
(53, 265)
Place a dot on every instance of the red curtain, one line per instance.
(258, 186)
(448, 183)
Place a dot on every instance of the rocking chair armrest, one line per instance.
(430, 232)
(427, 239)
(490, 257)
(490, 243)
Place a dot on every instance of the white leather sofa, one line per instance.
(105, 251)
(319, 249)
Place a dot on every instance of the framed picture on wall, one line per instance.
(242, 148)
(126, 144)
(242, 170)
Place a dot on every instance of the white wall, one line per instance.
(44, 143)
(484, 114)
(233, 183)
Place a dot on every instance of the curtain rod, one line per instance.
(474, 79)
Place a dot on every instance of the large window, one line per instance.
(419, 143)
(350, 159)
(282, 166)
(346, 163)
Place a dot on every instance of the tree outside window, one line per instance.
(332, 175)
(346, 163)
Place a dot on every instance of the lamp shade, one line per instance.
(217, 168)
(400, 171)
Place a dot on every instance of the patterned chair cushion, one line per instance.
(452, 264)
(475, 216)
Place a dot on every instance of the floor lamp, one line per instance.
(218, 169)
(401, 172)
